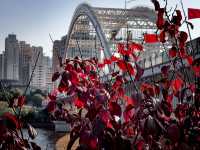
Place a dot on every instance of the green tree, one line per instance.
(35, 100)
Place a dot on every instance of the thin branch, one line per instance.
(37, 58)
(188, 28)
(57, 52)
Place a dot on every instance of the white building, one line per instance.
(48, 72)
(38, 80)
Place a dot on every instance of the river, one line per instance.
(45, 139)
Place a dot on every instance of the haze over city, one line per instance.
(32, 21)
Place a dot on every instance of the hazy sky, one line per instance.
(33, 20)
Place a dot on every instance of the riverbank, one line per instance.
(50, 140)
(62, 139)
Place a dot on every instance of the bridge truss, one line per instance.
(92, 29)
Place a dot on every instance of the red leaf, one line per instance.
(52, 97)
(169, 98)
(165, 70)
(179, 17)
(51, 106)
(101, 65)
(121, 92)
(160, 20)
(192, 87)
(21, 101)
(63, 87)
(79, 103)
(105, 117)
(193, 13)
(172, 29)
(182, 53)
(173, 132)
(183, 37)
(125, 52)
(118, 82)
(115, 109)
(69, 67)
(128, 114)
(173, 52)
(150, 38)
(113, 58)
(189, 60)
(196, 70)
(120, 46)
(107, 61)
(11, 120)
(93, 142)
(135, 46)
(156, 5)
(74, 77)
(121, 64)
(162, 36)
(126, 67)
(55, 76)
(177, 84)
(140, 145)
(129, 100)
(130, 69)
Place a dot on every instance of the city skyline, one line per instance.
(19, 60)
(42, 18)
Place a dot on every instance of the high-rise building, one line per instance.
(47, 62)
(1, 66)
(58, 51)
(18, 61)
(25, 62)
(38, 79)
(11, 65)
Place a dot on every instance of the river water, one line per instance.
(45, 139)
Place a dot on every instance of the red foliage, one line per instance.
(79, 103)
(165, 70)
(189, 60)
(193, 13)
(156, 5)
(173, 52)
(162, 36)
(160, 20)
(11, 121)
(107, 61)
(177, 84)
(150, 38)
(55, 76)
(115, 109)
(135, 46)
(112, 118)
(52, 97)
(196, 70)
(51, 106)
(126, 66)
(21, 101)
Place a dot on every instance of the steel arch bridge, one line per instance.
(92, 28)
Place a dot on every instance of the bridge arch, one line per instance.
(85, 9)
